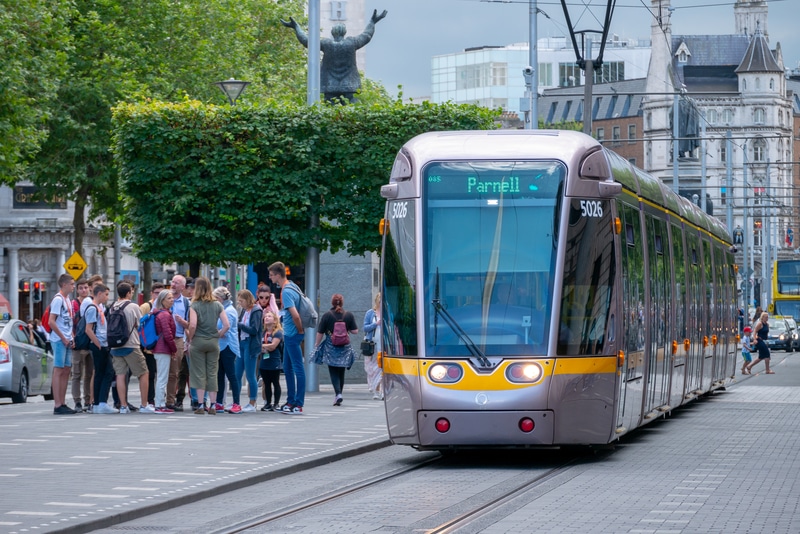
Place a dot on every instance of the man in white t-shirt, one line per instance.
(61, 340)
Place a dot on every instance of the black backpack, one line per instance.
(118, 330)
(82, 341)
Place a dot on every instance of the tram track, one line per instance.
(323, 499)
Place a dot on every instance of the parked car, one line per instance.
(795, 333)
(26, 366)
(780, 335)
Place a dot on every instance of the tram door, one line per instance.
(629, 404)
(678, 381)
(659, 315)
(709, 323)
(694, 320)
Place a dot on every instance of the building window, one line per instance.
(759, 150)
(545, 75)
(601, 134)
(744, 85)
(569, 74)
(758, 84)
(759, 115)
(632, 161)
(712, 116)
(631, 133)
(481, 75)
(649, 120)
(615, 133)
(339, 10)
(727, 116)
(611, 71)
(772, 83)
(682, 57)
(723, 152)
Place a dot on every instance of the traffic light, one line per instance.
(37, 290)
(24, 285)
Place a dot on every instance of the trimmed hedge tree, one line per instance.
(210, 184)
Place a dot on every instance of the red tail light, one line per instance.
(526, 424)
(442, 425)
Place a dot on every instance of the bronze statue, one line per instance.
(339, 72)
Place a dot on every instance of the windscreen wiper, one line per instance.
(463, 336)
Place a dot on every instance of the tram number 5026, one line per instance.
(591, 208)
(399, 210)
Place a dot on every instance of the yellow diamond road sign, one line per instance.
(75, 265)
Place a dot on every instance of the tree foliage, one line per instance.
(212, 184)
(130, 51)
(35, 42)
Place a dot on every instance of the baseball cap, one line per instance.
(189, 282)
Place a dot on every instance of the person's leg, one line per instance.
(162, 379)
(183, 380)
(267, 388)
(239, 367)
(288, 371)
(152, 373)
(250, 364)
(172, 375)
(229, 358)
(298, 369)
(212, 370)
(335, 382)
(88, 379)
(76, 377)
(60, 370)
(275, 381)
(103, 374)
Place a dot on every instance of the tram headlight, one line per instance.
(445, 373)
(524, 372)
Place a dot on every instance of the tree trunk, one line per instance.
(194, 269)
(147, 279)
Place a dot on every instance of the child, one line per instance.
(746, 348)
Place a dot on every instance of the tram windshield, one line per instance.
(490, 245)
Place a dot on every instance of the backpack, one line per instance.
(46, 315)
(82, 340)
(308, 315)
(340, 337)
(118, 331)
(148, 330)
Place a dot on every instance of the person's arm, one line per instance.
(370, 322)
(254, 319)
(226, 325)
(296, 319)
(192, 326)
(54, 326)
(93, 323)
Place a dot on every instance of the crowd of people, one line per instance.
(205, 346)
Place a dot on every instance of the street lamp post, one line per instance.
(233, 89)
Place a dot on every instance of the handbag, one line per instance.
(367, 348)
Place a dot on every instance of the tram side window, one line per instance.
(634, 288)
(399, 281)
(709, 281)
(589, 274)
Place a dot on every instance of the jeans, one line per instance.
(163, 362)
(103, 373)
(246, 365)
(227, 367)
(294, 370)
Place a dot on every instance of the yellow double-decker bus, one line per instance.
(786, 288)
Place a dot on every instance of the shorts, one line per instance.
(746, 356)
(134, 361)
(62, 354)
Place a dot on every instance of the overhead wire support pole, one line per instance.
(588, 65)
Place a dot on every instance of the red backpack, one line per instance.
(46, 316)
(340, 337)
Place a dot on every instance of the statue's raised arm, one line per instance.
(298, 31)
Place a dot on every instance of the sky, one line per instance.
(416, 30)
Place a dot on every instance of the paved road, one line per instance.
(728, 463)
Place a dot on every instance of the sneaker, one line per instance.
(267, 408)
(200, 410)
(177, 407)
(164, 409)
(124, 409)
(147, 409)
(248, 408)
(212, 410)
(287, 408)
(296, 410)
(235, 408)
(63, 410)
(89, 408)
(219, 407)
(338, 400)
(132, 408)
(78, 407)
(104, 408)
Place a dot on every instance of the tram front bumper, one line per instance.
(485, 428)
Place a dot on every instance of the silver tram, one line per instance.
(539, 290)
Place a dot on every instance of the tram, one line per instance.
(539, 290)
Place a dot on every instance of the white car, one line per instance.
(26, 366)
